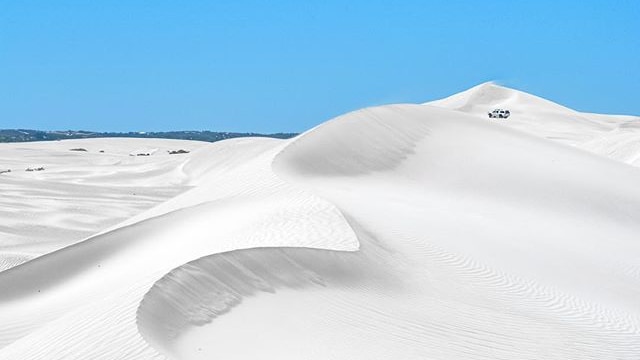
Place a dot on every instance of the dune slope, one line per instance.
(613, 136)
(473, 225)
(81, 187)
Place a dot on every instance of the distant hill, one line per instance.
(23, 135)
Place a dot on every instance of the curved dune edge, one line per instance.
(198, 292)
(372, 290)
(479, 305)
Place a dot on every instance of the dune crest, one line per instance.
(613, 136)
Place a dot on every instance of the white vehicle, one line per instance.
(499, 113)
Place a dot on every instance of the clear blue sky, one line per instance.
(270, 66)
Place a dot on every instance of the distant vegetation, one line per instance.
(22, 135)
(181, 151)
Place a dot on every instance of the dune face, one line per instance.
(397, 232)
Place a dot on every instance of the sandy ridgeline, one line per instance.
(397, 232)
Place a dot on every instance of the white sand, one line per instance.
(397, 232)
(79, 193)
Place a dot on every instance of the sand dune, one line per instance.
(79, 192)
(395, 232)
(614, 136)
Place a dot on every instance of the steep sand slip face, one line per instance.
(209, 288)
(476, 242)
(72, 194)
